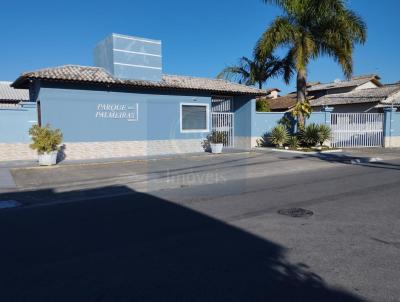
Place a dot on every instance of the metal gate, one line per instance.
(355, 130)
(222, 122)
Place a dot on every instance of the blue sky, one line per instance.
(199, 37)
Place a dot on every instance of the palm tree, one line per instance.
(258, 70)
(311, 28)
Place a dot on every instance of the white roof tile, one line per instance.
(10, 94)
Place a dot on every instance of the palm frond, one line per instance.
(313, 28)
(282, 32)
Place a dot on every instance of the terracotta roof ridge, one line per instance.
(59, 67)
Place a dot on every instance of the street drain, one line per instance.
(296, 212)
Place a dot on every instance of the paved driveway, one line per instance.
(220, 242)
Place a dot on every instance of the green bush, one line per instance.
(262, 105)
(310, 135)
(293, 142)
(279, 135)
(314, 134)
(45, 139)
(324, 133)
(217, 137)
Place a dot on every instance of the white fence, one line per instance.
(353, 130)
(223, 122)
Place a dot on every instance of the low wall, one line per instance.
(392, 142)
(16, 151)
(392, 130)
(97, 150)
(15, 122)
(264, 122)
(316, 118)
(245, 142)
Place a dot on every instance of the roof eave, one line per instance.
(24, 82)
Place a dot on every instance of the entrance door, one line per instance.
(222, 119)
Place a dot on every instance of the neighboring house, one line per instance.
(317, 90)
(273, 93)
(283, 103)
(359, 94)
(364, 100)
(11, 97)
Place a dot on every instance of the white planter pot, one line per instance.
(48, 159)
(216, 148)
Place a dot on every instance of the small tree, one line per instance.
(262, 105)
(310, 135)
(45, 139)
(293, 142)
(324, 133)
(279, 135)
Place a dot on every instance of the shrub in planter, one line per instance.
(314, 134)
(293, 142)
(46, 142)
(324, 133)
(217, 139)
(279, 135)
(310, 135)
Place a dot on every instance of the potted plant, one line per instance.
(217, 139)
(46, 142)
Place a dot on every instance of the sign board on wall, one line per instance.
(118, 111)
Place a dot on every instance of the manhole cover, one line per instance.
(296, 212)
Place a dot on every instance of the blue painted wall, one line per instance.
(396, 124)
(243, 109)
(74, 112)
(391, 123)
(316, 118)
(263, 122)
(15, 123)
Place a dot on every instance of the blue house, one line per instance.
(126, 106)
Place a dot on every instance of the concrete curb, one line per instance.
(301, 152)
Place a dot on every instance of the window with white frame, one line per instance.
(194, 117)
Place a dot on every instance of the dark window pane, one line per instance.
(194, 117)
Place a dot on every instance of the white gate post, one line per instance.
(388, 126)
(328, 112)
(328, 120)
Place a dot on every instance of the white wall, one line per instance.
(366, 86)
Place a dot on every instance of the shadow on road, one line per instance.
(350, 160)
(142, 248)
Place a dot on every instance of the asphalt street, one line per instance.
(217, 242)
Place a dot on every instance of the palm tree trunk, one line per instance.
(301, 92)
(260, 84)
